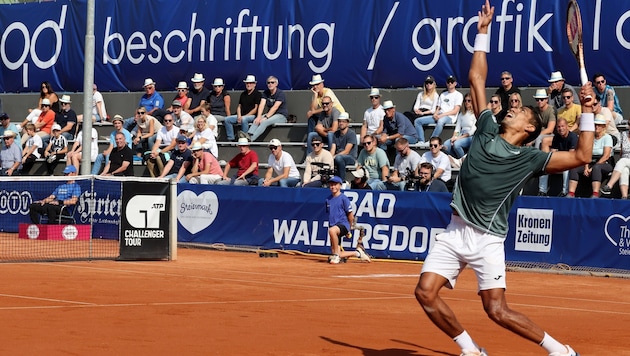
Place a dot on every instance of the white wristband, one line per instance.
(587, 122)
(481, 42)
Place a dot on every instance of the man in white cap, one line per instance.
(219, 100)
(246, 163)
(152, 101)
(556, 85)
(198, 95)
(6, 124)
(373, 116)
(547, 116)
(67, 118)
(395, 126)
(10, 155)
(282, 165)
(319, 92)
(245, 111)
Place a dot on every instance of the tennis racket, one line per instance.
(574, 34)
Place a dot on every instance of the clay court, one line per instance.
(235, 303)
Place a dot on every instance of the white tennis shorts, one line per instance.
(462, 244)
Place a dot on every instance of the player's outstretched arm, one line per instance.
(563, 160)
(479, 64)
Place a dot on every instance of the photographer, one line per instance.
(319, 165)
(427, 183)
(406, 162)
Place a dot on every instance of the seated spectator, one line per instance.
(344, 145)
(152, 103)
(5, 124)
(43, 124)
(607, 97)
(448, 105)
(426, 101)
(183, 120)
(374, 159)
(315, 162)
(67, 118)
(440, 161)
(504, 92)
(182, 97)
(246, 163)
(405, 164)
(570, 111)
(465, 128)
(56, 150)
(165, 142)
(120, 162)
(548, 117)
(427, 183)
(327, 124)
(373, 116)
(31, 150)
(282, 165)
(45, 92)
(180, 161)
(145, 132)
(600, 166)
(395, 126)
(495, 105)
(611, 127)
(275, 101)
(73, 157)
(211, 120)
(64, 195)
(198, 95)
(621, 172)
(516, 101)
(319, 92)
(556, 86)
(219, 100)
(103, 158)
(563, 140)
(246, 110)
(10, 155)
(359, 179)
(205, 167)
(205, 137)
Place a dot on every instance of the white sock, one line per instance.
(552, 345)
(465, 342)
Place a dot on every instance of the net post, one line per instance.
(173, 220)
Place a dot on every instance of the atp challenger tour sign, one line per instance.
(385, 43)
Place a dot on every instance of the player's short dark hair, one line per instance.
(536, 120)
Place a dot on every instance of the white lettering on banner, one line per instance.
(30, 44)
(534, 230)
(618, 233)
(89, 205)
(197, 212)
(143, 211)
(384, 205)
(177, 44)
(14, 202)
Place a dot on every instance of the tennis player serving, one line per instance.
(489, 181)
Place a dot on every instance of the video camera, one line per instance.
(412, 181)
(324, 171)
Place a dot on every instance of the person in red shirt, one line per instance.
(247, 164)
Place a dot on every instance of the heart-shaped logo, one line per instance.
(197, 212)
(614, 225)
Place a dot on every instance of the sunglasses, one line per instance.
(217, 86)
(7, 138)
(367, 143)
(515, 101)
(45, 106)
(600, 82)
(468, 100)
(541, 99)
(271, 82)
(168, 120)
(494, 101)
(141, 112)
(181, 89)
(450, 82)
(375, 97)
(328, 103)
(506, 78)
(316, 144)
(425, 83)
(567, 97)
(433, 145)
(273, 148)
(402, 150)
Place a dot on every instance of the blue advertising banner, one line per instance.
(353, 43)
(402, 225)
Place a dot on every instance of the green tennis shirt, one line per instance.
(492, 176)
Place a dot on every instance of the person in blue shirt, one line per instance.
(340, 219)
(66, 194)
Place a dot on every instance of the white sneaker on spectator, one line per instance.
(334, 259)
(363, 255)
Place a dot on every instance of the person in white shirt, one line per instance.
(438, 159)
(373, 116)
(465, 128)
(282, 164)
(76, 152)
(164, 143)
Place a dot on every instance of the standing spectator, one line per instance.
(179, 163)
(316, 161)
(449, 103)
(344, 146)
(67, 118)
(426, 101)
(406, 162)
(395, 126)
(373, 116)
(439, 160)
(165, 142)
(120, 159)
(427, 183)
(205, 137)
(607, 97)
(10, 155)
(56, 150)
(458, 145)
(219, 100)
(246, 163)
(505, 92)
(319, 92)
(563, 140)
(31, 150)
(64, 195)
(73, 158)
(205, 167)
(246, 109)
(570, 111)
(621, 172)
(104, 157)
(282, 165)
(45, 92)
(5, 124)
(182, 97)
(340, 223)
(327, 124)
(198, 94)
(374, 159)
(547, 116)
(276, 102)
(152, 102)
(556, 86)
(99, 112)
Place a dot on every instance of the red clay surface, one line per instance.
(235, 303)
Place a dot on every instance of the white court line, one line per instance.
(381, 275)
(45, 299)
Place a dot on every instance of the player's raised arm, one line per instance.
(479, 65)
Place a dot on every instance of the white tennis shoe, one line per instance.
(569, 352)
(334, 259)
(363, 255)
(481, 352)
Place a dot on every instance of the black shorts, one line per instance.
(343, 231)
